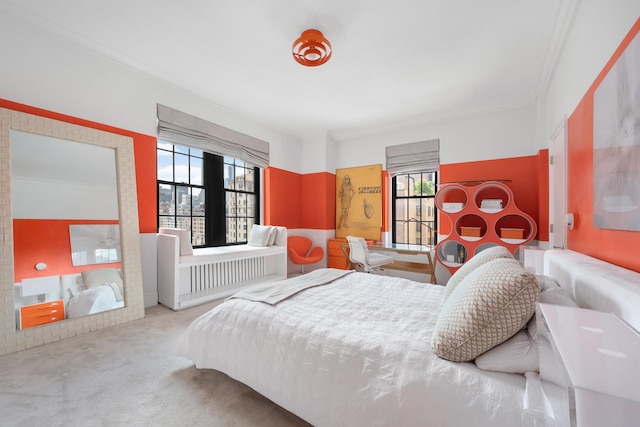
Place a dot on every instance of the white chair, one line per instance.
(359, 255)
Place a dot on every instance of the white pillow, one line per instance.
(516, 355)
(519, 354)
(557, 296)
(184, 237)
(281, 236)
(489, 306)
(259, 235)
(273, 232)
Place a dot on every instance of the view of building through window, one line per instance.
(413, 209)
(240, 199)
(186, 176)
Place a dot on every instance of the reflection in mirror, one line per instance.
(65, 215)
(94, 244)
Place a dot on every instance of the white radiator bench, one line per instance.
(212, 273)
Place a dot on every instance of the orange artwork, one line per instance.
(359, 202)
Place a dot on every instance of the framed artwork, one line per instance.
(616, 144)
(359, 202)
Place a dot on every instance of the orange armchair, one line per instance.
(299, 253)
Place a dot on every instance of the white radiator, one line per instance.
(213, 274)
(223, 274)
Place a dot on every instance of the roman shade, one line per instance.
(413, 157)
(181, 128)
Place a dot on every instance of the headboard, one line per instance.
(596, 284)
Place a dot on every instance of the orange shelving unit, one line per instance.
(477, 215)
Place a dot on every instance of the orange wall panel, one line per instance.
(46, 240)
(144, 150)
(615, 246)
(299, 200)
(318, 201)
(282, 198)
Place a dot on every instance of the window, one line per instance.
(241, 202)
(413, 208)
(226, 214)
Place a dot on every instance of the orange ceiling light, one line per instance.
(311, 49)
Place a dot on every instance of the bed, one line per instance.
(92, 291)
(360, 349)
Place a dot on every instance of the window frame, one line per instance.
(215, 195)
(423, 211)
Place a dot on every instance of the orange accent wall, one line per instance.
(318, 201)
(144, 147)
(529, 177)
(615, 246)
(282, 198)
(46, 240)
(299, 201)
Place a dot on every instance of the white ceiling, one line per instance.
(395, 64)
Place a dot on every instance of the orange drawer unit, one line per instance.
(335, 254)
(40, 314)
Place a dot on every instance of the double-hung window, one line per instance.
(413, 208)
(216, 198)
(414, 168)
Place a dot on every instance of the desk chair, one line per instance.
(359, 255)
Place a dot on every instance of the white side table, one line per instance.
(589, 364)
(532, 258)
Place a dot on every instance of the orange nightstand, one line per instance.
(42, 313)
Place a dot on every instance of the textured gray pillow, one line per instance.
(489, 306)
(476, 261)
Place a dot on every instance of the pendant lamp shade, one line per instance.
(311, 49)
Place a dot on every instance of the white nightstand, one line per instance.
(532, 258)
(590, 366)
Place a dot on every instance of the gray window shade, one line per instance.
(181, 128)
(413, 157)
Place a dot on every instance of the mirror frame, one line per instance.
(11, 339)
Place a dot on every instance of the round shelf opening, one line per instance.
(492, 198)
(451, 198)
(484, 246)
(514, 229)
(452, 253)
(471, 227)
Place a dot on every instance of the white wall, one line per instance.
(501, 134)
(48, 71)
(597, 29)
(45, 70)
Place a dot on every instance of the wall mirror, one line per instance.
(98, 188)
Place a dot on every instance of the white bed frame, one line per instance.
(596, 284)
(212, 273)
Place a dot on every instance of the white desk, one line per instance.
(425, 266)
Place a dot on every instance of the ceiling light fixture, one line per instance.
(311, 49)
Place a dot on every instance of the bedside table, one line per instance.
(589, 366)
(41, 314)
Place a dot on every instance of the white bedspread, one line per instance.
(356, 352)
(94, 300)
(275, 292)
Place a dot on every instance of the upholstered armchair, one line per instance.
(300, 252)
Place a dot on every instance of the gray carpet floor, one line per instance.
(128, 376)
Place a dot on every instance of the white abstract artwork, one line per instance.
(616, 144)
